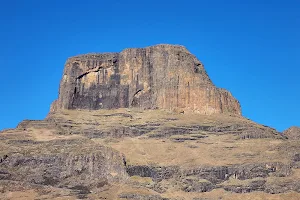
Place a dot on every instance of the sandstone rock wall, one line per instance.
(161, 76)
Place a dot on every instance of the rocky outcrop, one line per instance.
(243, 178)
(63, 124)
(58, 163)
(161, 76)
(292, 133)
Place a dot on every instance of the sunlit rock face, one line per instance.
(157, 77)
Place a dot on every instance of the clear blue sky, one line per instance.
(251, 49)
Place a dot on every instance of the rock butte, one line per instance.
(91, 146)
(157, 77)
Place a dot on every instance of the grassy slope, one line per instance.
(214, 150)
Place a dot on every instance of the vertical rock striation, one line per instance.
(156, 77)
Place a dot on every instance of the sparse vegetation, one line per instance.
(174, 145)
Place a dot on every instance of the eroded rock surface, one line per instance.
(161, 76)
(62, 163)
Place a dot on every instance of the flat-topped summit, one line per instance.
(157, 77)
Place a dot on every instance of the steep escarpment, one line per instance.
(162, 76)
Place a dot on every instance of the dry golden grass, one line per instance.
(110, 118)
(213, 150)
(33, 194)
(142, 180)
(238, 182)
(224, 195)
(113, 191)
(47, 135)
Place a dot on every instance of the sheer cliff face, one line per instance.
(162, 76)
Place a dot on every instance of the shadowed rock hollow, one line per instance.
(162, 76)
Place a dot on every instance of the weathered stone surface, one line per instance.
(58, 163)
(249, 177)
(251, 186)
(292, 133)
(161, 76)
